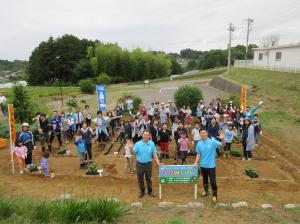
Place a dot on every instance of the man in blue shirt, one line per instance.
(145, 151)
(206, 153)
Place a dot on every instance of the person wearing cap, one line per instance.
(26, 138)
(172, 111)
(248, 139)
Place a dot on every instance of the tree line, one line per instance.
(67, 59)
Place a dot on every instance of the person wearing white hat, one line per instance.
(26, 138)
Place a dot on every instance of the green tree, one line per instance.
(87, 86)
(188, 96)
(22, 104)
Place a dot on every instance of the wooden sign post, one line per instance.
(12, 133)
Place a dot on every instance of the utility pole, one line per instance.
(249, 28)
(231, 29)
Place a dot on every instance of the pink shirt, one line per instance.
(21, 152)
(184, 144)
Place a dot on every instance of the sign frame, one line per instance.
(178, 174)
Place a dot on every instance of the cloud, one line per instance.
(169, 25)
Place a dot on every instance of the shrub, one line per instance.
(87, 86)
(118, 79)
(92, 170)
(251, 172)
(103, 79)
(6, 208)
(235, 153)
(188, 96)
(72, 102)
(22, 105)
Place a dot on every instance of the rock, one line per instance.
(137, 205)
(240, 204)
(166, 205)
(266, 206)
(66, 197)
(182, 206)
(222, 205)
(195, 205)
(291, 206)
(113, 199)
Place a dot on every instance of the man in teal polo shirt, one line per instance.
(145, 151)
(206, 152)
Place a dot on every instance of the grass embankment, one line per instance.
(280, 91)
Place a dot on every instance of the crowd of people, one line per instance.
(162, 123)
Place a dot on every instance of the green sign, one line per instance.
(185, 174)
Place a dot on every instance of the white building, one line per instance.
(278, 58)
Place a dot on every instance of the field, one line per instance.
(276, 162)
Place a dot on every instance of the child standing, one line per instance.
(121, 136)
(128, 155)
(81, 149)
(183, 147)
(257, 128)
(164, 137)
(196, 135)
(21, 153)
(44, 164)
(87, 134)
(229, 134)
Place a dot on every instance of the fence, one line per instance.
(278, 68)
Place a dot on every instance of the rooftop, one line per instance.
(279, 46)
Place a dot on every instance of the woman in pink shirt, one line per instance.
(184, 147)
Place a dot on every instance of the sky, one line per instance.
(167, 25)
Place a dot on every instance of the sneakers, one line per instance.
(203, 194)
(141, 194)
(21, 172)
(214, 199)
(244, 158)
(249, 159)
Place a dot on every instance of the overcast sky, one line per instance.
(168, 25)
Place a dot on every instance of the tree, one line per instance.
(22, 104)
(87, 86)
(270, 40)
(188, 96)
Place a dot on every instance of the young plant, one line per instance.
(251, 172)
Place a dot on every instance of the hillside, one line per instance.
(280, 92)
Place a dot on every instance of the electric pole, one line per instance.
(231, 29)
(249, 28)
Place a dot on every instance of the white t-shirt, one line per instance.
(196, 134)
(127, 151)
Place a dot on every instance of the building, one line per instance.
(278, 58)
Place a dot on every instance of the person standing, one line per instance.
(249, 113)
(145, 152)
(173, 111)
(3, 105)
(248, 139)
(87, 115)
(164, 138)
(257, 129)
(56, 129)
(26, 138)
(206, 154)
(78, 120)
(129, 104)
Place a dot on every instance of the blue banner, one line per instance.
(178, 174)
(101, 95)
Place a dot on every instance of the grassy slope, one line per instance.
(280, 92)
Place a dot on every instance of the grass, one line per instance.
(68, 211)
(280, 114)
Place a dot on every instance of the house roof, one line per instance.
(278, 47)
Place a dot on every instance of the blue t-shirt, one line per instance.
(144, 152)
(81, 146)
(207, 150)
(56, 121)
(229, 135)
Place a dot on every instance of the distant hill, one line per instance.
(12, 70)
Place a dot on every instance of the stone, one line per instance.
(182, 206)
(240, 204)
(291, 206)
(266, 206)
(195, 205)
(166, 205)
(222, 205)
(66, 197)
(137, 205)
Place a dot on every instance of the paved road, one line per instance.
(165, 91)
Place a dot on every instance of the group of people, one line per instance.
(203, 132)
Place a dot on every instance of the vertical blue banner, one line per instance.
(101, 95)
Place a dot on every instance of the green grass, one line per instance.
(280, 91)
(68, 211)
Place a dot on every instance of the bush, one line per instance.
(118, 79)
(235, 153)
(22, 105)
(136, 102)
(188, 96)
(92, 170)
(103, 79)
(87, 86)
(72, 102)
(251, 172)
